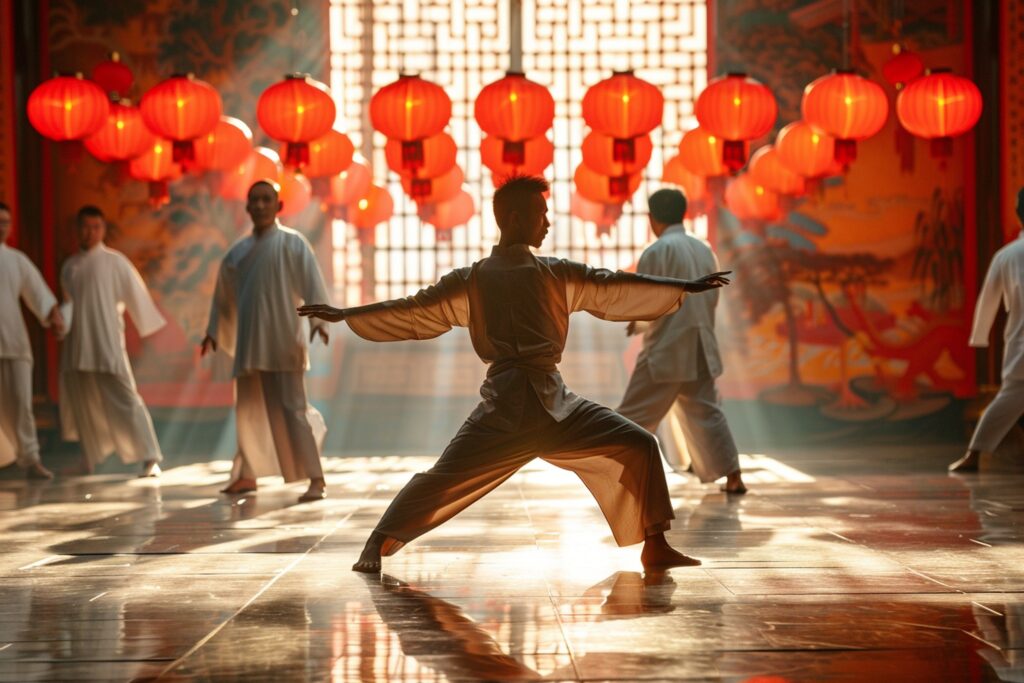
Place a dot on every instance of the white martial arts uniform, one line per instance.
(100, 404)
(517, 308)
(253, 318)
(680, 361)
(1004, 283)
(19, 280)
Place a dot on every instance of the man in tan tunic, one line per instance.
(263, 277)
(517, 308)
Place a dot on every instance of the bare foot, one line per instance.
(734, 484)
(968, 463)
(240, 485)
(37, 471)
(658, 555)
(150, 468)
(369, 559)
(316, 491)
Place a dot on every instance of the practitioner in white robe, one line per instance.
(517, 308)
(100, 405)
(20, 281)
(262, 279)
(679, 360)
(1004, 284)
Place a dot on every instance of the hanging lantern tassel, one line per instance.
(845, 152)
(941, 148)
(618, 186)
(412, 154)
(624, 150)
(158, 193)
(420, 187)
(513, 152)
(734, 155)
(905, 148)
(184, 152)
(296, 154)
(443, 235)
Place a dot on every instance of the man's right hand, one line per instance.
(56, 321)
(712, 281)
(323, 312)
(208, 344)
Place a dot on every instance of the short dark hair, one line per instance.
(89, 211)
(269, 183)
(667, 206)
(4, 207)
(513, 191)
(1020, 204)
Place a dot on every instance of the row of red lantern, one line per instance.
(515, 113)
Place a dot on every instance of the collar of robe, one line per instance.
(510, 250)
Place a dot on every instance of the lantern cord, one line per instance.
(846, 34)
(515, 29)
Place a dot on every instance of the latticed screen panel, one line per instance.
(568, 45)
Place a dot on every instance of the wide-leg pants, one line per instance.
(999, 417)
(708, 437)
(18, 440)
(278, 431)
(616, 459)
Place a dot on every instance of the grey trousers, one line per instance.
(616, 460)
(18, 441)
(999, 417)
(708, 438)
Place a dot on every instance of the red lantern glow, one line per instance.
(376, 206)
(295, 193)
(846, 106)
(351, 184)
(514, 108)
(296, 111)
(438, 157)
(538, 153)
(602, 215)
(767, 169)
(904, 67)
(67, 108)
(263, 164)
(938, 107)
(736, 108)
(157, 167)
(701, 153)
(181, 109)
(623, 106)
(224, 148)
(435, 190)
(805, 150)
(604, 189)
(329, 155)
(113, 76)
(123, 136)
(599, 154)
(748, 200)
(410, 109)
(448, 214)
(693, 186)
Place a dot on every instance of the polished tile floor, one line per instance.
(841, 565)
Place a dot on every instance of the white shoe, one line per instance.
(150, 469)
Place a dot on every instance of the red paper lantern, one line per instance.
(296, 111)
(351, 184)
(623, 107)
(123, 136)
(701, 153)
(598, 213)
(599, 154)
(438, 157)
(604, 189)
(409, 110)
(736, 108)
(157, 167)
(295, 192)
(67, 108)
(938, 107)
(224, 148)
(903, 67)
(181, 109)
(805, 150)
(450, 213)
(263, 164)
(538, 153)
(113, 76)
(846, 106)
(748, 200)
(514, 108)
(329, 155)
(439, 189)
(693, 186)
(376, 206)
(767, 169)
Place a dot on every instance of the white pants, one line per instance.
(105, 412)
(278, 431)
(695, 403)
(999, 417)
(18, 441)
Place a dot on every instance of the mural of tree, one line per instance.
(938, 255)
